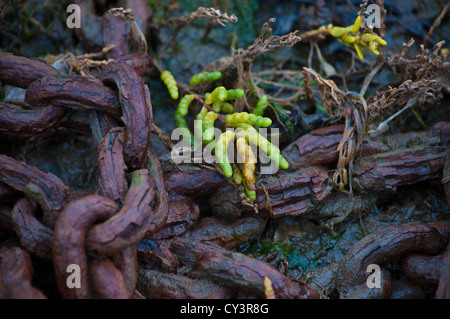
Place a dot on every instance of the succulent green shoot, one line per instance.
(261, 106)
(244, 117)
(358, 51)
(234, 94)
(218, 94)
(170, 83)
(221, 152)
(183, 106)
(180, 122)
(250, 194)
(216, 106)
(221, 106)
(252, 136)
(205, 77)
(351, 37)
(356, 25)
(237, 175)
(208, 126)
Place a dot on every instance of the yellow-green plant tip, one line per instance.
(210, 118)
(216, 106)
(198, 124)
(183, 106)
(180, 122)
(252, 136)
(373, 46)
(258, 122)
(202, 113)
(241, 117)
(357, 24)
(235, 94)
(363, 45)
(261, 106)
(358, 51)
(208, 134)
(258, 111)
(226, 168)
(205, 77)
(337, 31)
(237, 179)
(381, 40)
(174, 93)
(218, 94)
(215, 75)
(246, 118)
(221, 106)
(266, 122)
(283, 162)
(164, 74)
(237, 175)
(348, 38)
(194, 80)
(262, 101)
(250, 194)
(208, 126)
(227, 107)
(221, 152)
(368, 37)
(170, 83)
(221, 93)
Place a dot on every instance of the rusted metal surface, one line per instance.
(155, 284)
(183, 213)
(380, 247)
(443, 290)
(8, 194)
(46, 189)
(15, 120)
(157, 255)
(129, 225)
(235, 269)
(227, 234)
(111, 166)
(161, 199)
(319, 147)
(422, 269)
(20, 71)
(73, 91)
(16, 273)
(387, 171)
(35, 238)
(288, 194)
(136, 106)
(69, 240)
(6, 223)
